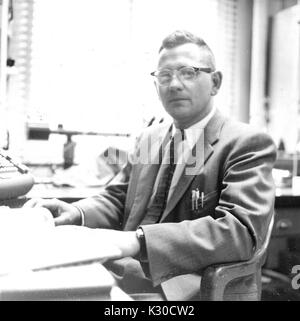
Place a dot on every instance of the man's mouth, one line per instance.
(177, 99)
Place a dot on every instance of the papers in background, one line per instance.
(80, 176)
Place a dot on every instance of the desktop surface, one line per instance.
(39, 261)
(81, 282)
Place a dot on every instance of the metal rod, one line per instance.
(75, 132)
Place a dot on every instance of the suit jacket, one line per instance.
(235, 176)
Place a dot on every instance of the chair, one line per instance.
(237, 281)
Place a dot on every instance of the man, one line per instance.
(221, 197)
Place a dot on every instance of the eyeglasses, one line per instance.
(165, 76)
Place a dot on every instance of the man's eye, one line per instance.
(164, 75)
(188, 73)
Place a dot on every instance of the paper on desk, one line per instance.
(30, 241)
(82, 176)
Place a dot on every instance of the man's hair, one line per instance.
(181, 37)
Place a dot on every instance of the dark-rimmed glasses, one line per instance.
(188, 73)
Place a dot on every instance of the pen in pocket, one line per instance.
(196, 198)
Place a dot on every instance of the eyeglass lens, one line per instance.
(165, 76)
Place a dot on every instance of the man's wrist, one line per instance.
(142, 241)
(81, 215)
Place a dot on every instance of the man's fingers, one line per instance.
(62, 212)
(65, 219)
(32, 202)
(51, 204)
(59, 220)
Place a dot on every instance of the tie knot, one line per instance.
(182, 134)
(179, 135)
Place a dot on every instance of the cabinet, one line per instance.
(284, 247)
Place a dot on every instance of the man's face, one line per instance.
(189, 101)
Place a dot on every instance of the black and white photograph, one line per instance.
(149, 152)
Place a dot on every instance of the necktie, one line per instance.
(159, 202)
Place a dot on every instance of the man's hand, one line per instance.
(126, 241)
(63, 213)
(67, 214)
(91, 239)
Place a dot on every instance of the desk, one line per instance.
(89, 282)
(284, 251)
(67, 194)
(286, 226)
(287, 214)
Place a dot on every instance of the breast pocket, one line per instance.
(204, 205)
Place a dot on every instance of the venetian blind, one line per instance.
(16, 71)
(20, 52)
(227, 54)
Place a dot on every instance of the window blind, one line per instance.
(17, 69)
(20, 53)
(227, 54)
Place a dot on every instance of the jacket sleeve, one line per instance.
(236, 228)
(106, 209)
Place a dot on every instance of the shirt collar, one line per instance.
(193, 132)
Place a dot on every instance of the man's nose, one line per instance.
(175, 82)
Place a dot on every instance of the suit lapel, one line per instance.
(201, 152)
(148, 172)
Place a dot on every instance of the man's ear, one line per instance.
(217, 82)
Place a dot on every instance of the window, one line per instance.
(90, 60)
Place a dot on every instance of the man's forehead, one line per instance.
(186, 52)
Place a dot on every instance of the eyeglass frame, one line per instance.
(175, 71)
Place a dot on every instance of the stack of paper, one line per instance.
(82, 282)
(30, 241)
(61, 255)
